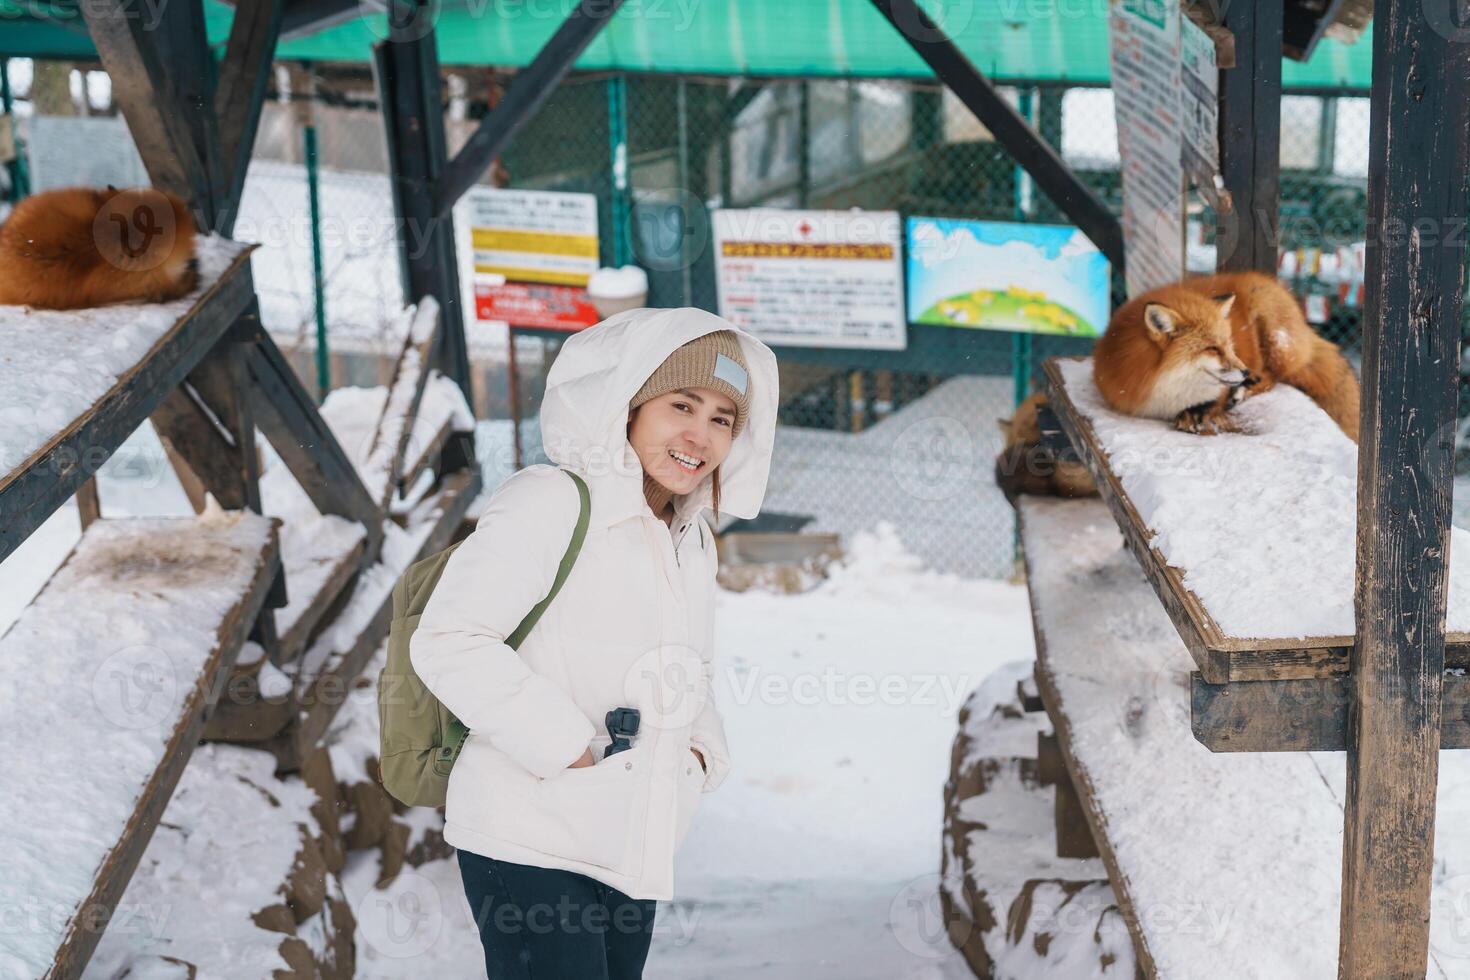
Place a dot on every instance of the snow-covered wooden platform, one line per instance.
(106, 680)
(1227, 865)
(1247, 538)
(74, 384)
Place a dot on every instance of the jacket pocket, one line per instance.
(587, 814)
(691, 789)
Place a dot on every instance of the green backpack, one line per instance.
(420, 737)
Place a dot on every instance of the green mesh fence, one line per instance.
(867, 436)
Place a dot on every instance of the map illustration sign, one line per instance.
(1002, 275)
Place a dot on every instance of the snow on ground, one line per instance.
(819, 856)
(1263, 522)
(925, 468)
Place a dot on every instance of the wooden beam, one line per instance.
(1308, 715)
(89, 504)
(209, 421)
(288, 417)
(1038, 158)
(240, 94)
(409, 89)
(1418, 162)
(529, 89)
(1250, 140)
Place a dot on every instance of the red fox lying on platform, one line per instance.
(1190, 351)
(76, 247)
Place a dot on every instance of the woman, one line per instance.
(563, 849)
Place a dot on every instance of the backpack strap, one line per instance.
(574, 548)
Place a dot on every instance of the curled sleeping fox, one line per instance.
(1190, 351)
(1028, 465)
(77, 247)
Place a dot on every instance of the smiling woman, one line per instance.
(648, 409)
(685, 417)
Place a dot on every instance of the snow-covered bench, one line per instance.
(1248, 539)
(106, 681)
(74, 384)
(1226, 864)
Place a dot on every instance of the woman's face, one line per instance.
(694, 423)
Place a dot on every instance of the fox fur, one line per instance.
(77, 247)
(1027, 465)
(1190, 351)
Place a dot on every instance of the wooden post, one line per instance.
(89, 505)
(1250, 139)
(1419, 155)
(409, 90)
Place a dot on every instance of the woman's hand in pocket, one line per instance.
(584, 760)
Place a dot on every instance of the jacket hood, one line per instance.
(584, 415)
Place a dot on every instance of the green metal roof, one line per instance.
(1056, 41)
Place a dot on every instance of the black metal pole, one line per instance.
(409, 88)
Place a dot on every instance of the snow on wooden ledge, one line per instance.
(1261, 523)
(1229, 865)
(56, 364)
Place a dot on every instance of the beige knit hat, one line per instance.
(711, 361)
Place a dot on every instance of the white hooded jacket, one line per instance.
(632, 626)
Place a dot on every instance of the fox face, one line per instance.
(1198, 363)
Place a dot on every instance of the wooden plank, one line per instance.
(1092, 809)
(422, 343)
(209, 421)
(243, 557)
(426, 459)
(409, 90)
(48, 477)
(322, 696)
(89, 505)
(393, 433)
(1220, 658)
(189, 481)
(1196, 628)
(1248, 236)
(1414, 284)
(305, 627)
(1037, 157)
(1308, 715)
(289, 418)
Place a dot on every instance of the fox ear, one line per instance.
(1226, 302)
(1160, 320)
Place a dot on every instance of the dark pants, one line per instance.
(544, 924)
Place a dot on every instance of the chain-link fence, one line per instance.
(867, 435)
